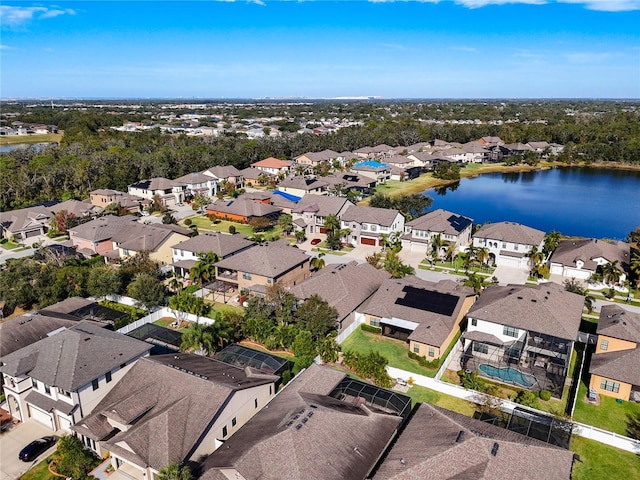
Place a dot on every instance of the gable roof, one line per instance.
(223, 171)
(252, 173)
(588, 250)
(441, 221)
(104, 228)
(157, 183)
(195, 177)
(510, 232)
(168, 402)
(73, 357)
(440, 444)
(621, 365)
(343, 286)
(335, 440)
(268, 259)
(321, 205)
(618, 322)
(77, 208)
(301, 182)
(272, 163)
(221, 244)
(244, 207)
(545, 308)
(373, 215)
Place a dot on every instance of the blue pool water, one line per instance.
(508, 375)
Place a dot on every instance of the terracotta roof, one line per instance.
(269, 259)
(618, 322)
(510, 232)
(440, 444)
(372, 215)
(545, 308)
(221, 244)
(588, 250)
(272, 163)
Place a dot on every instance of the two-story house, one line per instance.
(380, 172)
(367, 224)
(313, 159)
(61, 378)
(453, 229)
(615, 366)
(130, 203)
(301, 185)
(200, 183)
(582, 258)
(273, 166)
(170, 192)
(311, 211)
(508, 243)
(226, 173)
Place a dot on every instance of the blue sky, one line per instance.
(408, 49)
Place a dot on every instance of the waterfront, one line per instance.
(574, 201)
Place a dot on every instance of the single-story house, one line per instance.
(243, 210)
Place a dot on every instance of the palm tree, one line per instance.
(221, 331)
(611, 272)
(318, 262)
(204, 269)
(551, 241)
(436, 244)
(200, 338)
(175, 284)
(450, 253)
(536, 259)
(482, 255)
(300, 236)
(331, 223)
(477, 282)
(634, 265)
(175, 471)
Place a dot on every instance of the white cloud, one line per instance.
(5, 47)
(607, 5)
(13, 16)
(464, 48)
(602, 5)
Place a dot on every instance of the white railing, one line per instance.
(452, 353)
(358, 319)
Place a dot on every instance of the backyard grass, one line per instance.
(39, 472)
(602, 462)
(393, 350)
(223, 307)
(421, 394)
(609, 415)
(203, 223)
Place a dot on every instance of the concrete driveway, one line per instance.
(14, 440)
(508, 275)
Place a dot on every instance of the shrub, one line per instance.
(73, 459)
(527, 398)
(286, 377)
(187, 222)
(232, 229)
(370, 329)
(423, 362)
(545, 395)
(471, 381)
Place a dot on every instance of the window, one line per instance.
(510, 332)
(374, 228)
(432, 352)
(504, 245)
(416, 348)
(365, 226)
(610, 386)
(47, 389)
(107, 376)
(604, 344)
(34, 383)
(515, 246)
(474, 322)
(246, 276)
(233, 422)
(270, 280)
(255, 403)
(480, 347)
(95, 384)
(64, 392)
(270, 389)
(374, 322)
(224, 431)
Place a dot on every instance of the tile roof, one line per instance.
(618, 322)
(510, 232)
(440, 221)
(169, 403)
(321, 205)
(272, 163)
(588, 250)
(439, 444)
(335, 440)
(433, 327)
(546, 308)
(242, 206)
(372, 215)
(268, 259)
(73, 357)
(221, 244)
(343, 286)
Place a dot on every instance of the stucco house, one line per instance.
(301, 185)
(380, 172)
(367, 224)
(426, 315)
(311, 211)
(315, 158)
(170, 192)
(172, 408)
(25, 223)
(243, 209)
(508, 243)
(273, 166)
(582, 258)
(453, 229)
(60, 379)
(105, 196)
(225, 173)
(200, 183)
(615, 366)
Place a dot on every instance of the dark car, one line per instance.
(315, 241)
(35, 448)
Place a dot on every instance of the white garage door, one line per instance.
(41, 416)
(509, 261)
(64, 423)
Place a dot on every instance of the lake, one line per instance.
(574, 201)
(21, 146)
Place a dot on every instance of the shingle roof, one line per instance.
(440, 221)
(342, 286)
(569, 252)
(244, 207)
(169, 404)
(77, 208)
(545, 308)
(224, 171)
(440, 444)
(269, 259)
(221, 244)
(104, 228)
(195, 177)
(433, 327)
(158, 183)
(300, 182)
(510, 232)
(73, 357)
(335, 440)
(321, 205)
(621, 365)
(252, 173)
(272, 163)
(618, 322)
(373, 215)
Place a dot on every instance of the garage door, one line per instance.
(323, 230)
(40, 416)
(509, 261)
(32, 233)
(64, 423)
(367, 241)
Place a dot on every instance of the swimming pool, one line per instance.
(508, 375)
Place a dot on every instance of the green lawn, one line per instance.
(39, 472)
(42, 138)
(204, 223)
(218, 306)
(6, 244)
(609, 415)
(394, 350)
(421, 394)
(602, 462)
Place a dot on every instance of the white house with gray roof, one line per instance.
(311, 211)
(582, 258)
(453, 229)
(367, 224)
(60, 379)
(508, 242)
(170, 192)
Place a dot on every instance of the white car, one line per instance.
(144, 213)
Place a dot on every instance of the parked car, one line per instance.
(315, 241)
(35, 448)
(144, 213)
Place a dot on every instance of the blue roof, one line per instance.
(372, 164)
(288, 196)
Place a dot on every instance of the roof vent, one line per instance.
(403, 462)
(494, 450)
(298, 426)
(460, 435)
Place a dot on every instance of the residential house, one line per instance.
(265, 264)
(170, 192)
(340, 184)
(242, 209)
(25, 223)
(344, 286)
(491, 141)
(226, 174)
(426, 315)
(311, 211)
(515, 149)
(380, 172)
(77, 208)
(614, 366)
(200, 183)
(313, 159)
(187, 253)
(582, 258)
(367, 224)
(508, 243)
(322, 425)
(422, 159)
(173, 408)
(273, 166)
(365, 152)
(540, 147)
(438, 443)
(452, 228)
(256, 177)
(403, 168)
(527, 331)
(130, 203)
(300, 185)
(58, 380)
